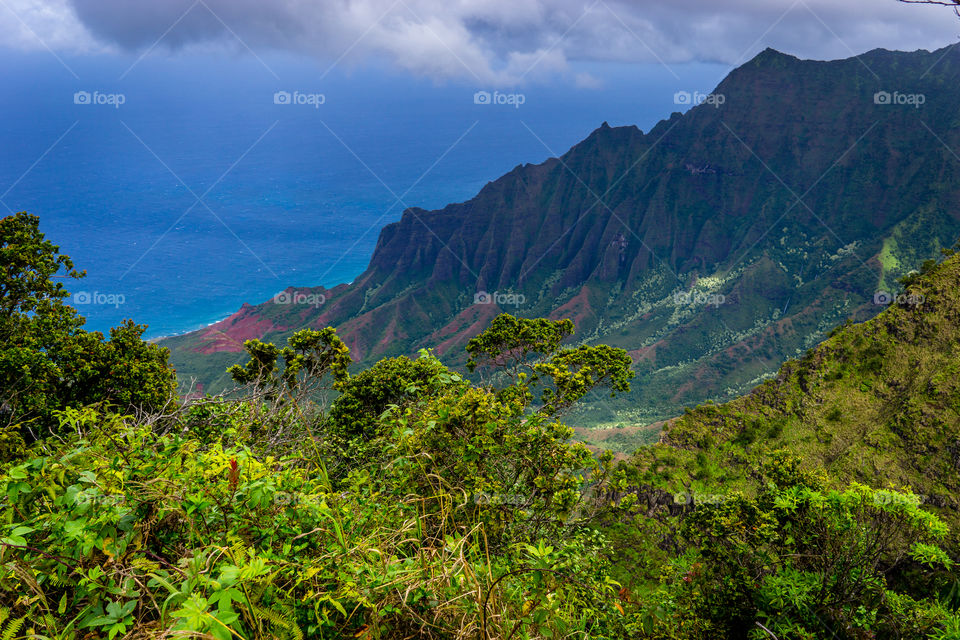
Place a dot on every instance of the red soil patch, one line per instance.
(645, 353)
(577, 309)
(229, 334)
(464, 325)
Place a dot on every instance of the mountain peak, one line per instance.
(770, 56)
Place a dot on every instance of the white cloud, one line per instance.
(587, 81)
(490, 41)
(51, 24)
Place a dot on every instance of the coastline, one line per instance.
(186, 331)
(202, 325)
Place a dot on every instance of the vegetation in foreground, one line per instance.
(404, 501)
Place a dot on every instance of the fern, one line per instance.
(280, 621)
(12, 626)
(59, 582)
(240, 553)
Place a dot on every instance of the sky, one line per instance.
(188, 186)
(507, 42)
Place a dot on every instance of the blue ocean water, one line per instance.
(208, 187)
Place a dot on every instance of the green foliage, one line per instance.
(394, 381)
(509, 341)
(801, 561)
(121, 529)
(309, 356)
(422, 505)
(528, 352)
(9, 626)
(576, 372)
(29, 262)
(47, 361)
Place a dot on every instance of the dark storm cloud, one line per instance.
(506, 40)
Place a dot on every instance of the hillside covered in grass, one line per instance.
(877, 402)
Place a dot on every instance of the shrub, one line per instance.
(801, 561)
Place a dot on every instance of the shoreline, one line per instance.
(186, 331)
(210, 324)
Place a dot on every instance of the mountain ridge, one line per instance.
(795, 199)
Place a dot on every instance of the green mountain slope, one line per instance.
(877, 403)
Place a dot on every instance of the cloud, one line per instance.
(502, 41)
(50, 24)
(587, 81)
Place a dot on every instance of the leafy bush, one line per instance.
(121, 530)
(363, 398)
(801, 561)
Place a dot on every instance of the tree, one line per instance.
(392, 381)
(47, 360)
(309, 356)
(528, 350)
(509, 342)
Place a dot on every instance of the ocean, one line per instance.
(186, 185)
